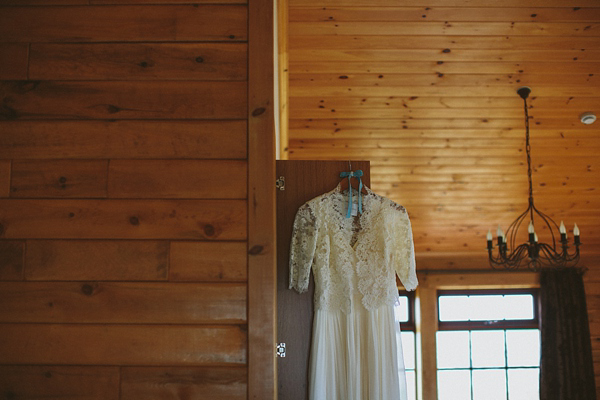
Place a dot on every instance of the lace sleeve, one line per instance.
(302, 249)
(404, 251)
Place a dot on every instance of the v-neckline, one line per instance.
(348, 229)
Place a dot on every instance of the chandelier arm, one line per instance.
(516, 257)
(575, 259)
(512, 261)
(513, 228)
(551, 257)
(497, 261)
(547, 220)
(571, 258)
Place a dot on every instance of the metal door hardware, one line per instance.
(280, 349)
(280, 183)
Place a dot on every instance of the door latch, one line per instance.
(280, 349)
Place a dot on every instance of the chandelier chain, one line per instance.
(528, 151)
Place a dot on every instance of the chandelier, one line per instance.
(533, 254)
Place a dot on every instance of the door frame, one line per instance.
(261, 230)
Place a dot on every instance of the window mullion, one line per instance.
(427, 326)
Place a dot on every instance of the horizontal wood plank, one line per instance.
(32, 382)
(122, 344)
(387, 111)
(445, 54)
(13, 60)
(43, 2)
(475, 193)
(136, 23)
(445, 28)
(473, 162)
(537, 106)
(123, 139)
(468, 258)
(122, 303)
(450, 261)
(197, 382)
(460, 241)
(11, 260)
(511, 133)
(566, 180)
(446, 67)
(389, 42)
(343, 153)
(441, 79)
(389, 173)
(138, 61)
(123, 219)
(208, 261)
(167, 1)
(475, 199)
(443, 13)
(457, 190)
(367, 124)
(104, 260)
(123, 100)
(215, 179)
(435, 91)
(446, 143)
(387, 181)
(5, 169)
(452, 3)
(60, 178)
(450, 208)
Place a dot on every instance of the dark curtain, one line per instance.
(567, 369)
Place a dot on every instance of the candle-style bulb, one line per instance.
(499, 232)
(530, 228)
(576, 230)
(489, 235)
(535, 238)
(562, 228)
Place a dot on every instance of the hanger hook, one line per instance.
(350, 165)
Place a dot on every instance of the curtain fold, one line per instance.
(566, 368)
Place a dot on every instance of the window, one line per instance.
(487, 345)
(405, 313)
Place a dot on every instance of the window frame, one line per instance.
(491, 325)
(426, 312)
(503, 326)
(410, 325)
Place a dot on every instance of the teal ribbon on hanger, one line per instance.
(350, 175)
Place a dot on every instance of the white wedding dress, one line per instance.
(356, 351)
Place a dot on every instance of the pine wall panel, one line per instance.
(426, 91)
(124, 190)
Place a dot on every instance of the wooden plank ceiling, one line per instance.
(427, 92)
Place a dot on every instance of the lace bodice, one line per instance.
(352, 259)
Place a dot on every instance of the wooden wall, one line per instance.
(125, 173)
(426, 91)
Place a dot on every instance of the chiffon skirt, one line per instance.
(357, 356)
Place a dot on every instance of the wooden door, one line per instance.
(304, 180)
